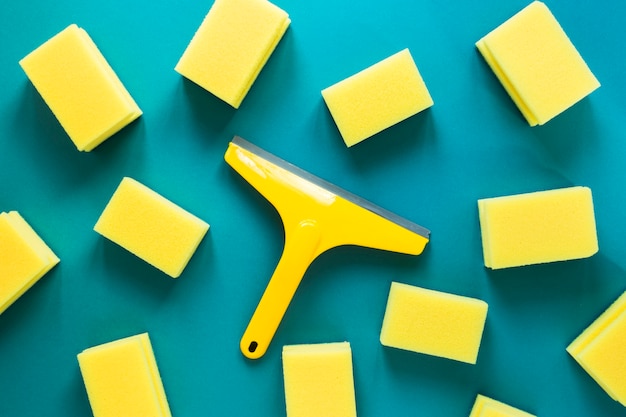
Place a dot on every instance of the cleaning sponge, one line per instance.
(24, 258)
(80, 88)
(487, 407)
(377, 97)
(231, 47)
(152, 227)
(532, 228)
(600, 350)
(433, 322)
(537, 64)
(318, 380)
(122, 379)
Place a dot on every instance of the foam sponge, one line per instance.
(537, 64)
(151, 227)
(539, 227)
(231, 47)
(433, 322)
(80, 87)
(600, 350)
(487, 407)
(122, 379)
(24, 258)
(377, 97)
(319, 380)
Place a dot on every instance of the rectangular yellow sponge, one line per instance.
(24, 258)
(151, 227)
(487, 407)
(600, 350)
(231, 46)
(377, 97)
(80, 87)
(432, 322)
(319, 380)
(537, 64)
(538, 227)
(122, 379)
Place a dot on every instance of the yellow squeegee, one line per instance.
(317, 216)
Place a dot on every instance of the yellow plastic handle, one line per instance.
(301, 247)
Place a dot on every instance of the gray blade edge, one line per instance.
(400, 221)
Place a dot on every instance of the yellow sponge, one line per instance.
(24, 258)
(152, 227)
(122, 379)
(537, 64)
(533, 228)
(433, 322)
(318, 380)
(80, 88)
(377, 97)
(487, 407)
(231, 47)
(600, 350)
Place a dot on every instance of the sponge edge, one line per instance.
(432, 322)
(151, 227)
(537, 64)
(319, 380)
(24, 258)
(231, 46)
(600, 348)
(538, 227)
(377, 97)
(80, 87)
(488, 407)
(122, 379)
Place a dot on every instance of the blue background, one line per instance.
(431, 169)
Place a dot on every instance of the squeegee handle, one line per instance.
(301, 246)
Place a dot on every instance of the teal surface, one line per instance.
(430, 169)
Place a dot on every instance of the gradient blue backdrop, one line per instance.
(431, 169)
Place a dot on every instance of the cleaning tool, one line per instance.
(80, 87)
(151, 227)
(317, 216)
(24, 258)
(122, 379)
(600, 350)
(231, 47)
(488, 407)
(433, 322)
(377, 97)
(538, 227)
(319, 380)
(537, 64)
